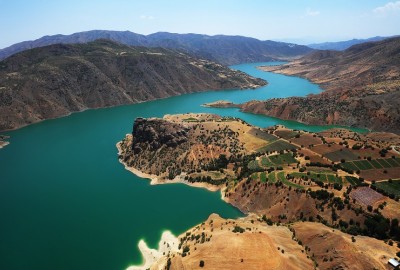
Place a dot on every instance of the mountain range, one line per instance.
(362, 87)
(343, 45)
(55, 80)
(227, 50)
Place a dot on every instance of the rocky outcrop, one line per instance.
(154, 133)
(54, 81)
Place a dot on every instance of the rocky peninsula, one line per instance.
(277, 176)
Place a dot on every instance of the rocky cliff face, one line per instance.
(59, 79)
(154, 133)
(362, 88)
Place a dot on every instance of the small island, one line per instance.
(220, 104)
(336, 179)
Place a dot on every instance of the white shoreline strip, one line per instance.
(168, 243)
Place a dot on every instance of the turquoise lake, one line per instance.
(67, 203)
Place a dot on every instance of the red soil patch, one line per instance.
(324, 148)
(378, 174)
(306, 140)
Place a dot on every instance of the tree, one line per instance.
(201, 263)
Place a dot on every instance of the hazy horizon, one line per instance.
(301, 22)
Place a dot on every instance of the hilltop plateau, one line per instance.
(251, 243)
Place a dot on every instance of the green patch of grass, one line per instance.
(263, 177)
(190, 119)
(349, 166)
(272, 177)
(278, 145)
(334, 179)
(392, 162)
(298, 174)
(390, 188)
(376, 164)
(352, 180)
(254, 176)
(338, 155)
(384, 163)
(266, 162)
(363, 164)
(253, 165)
(282, 178)
(398, 161)
(318, 176)
(282, 159)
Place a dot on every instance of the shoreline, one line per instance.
(3, 142)
(155, 180)
(168, 243)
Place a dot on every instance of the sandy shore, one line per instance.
(3, 144)
(168, 243)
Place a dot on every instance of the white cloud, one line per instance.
(146, 17)
(310, 12)
(389, 7)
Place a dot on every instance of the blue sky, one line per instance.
(302, 21)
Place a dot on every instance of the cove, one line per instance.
(67, 203)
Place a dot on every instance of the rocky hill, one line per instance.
(250, 243)
(56, 80)
(226, 50)
(362, 88)
(294, 179)
(343, 45)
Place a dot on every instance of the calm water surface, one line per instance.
(67, 203)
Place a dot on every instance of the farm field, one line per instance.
(277, 146)
(286, 133)
(340, 154)
(381, 174)
(370, 164)
(366, 195)
(306, 140)
(263, 135)
(325, 148)
(282, 178)
(354, 181)
(390, 188)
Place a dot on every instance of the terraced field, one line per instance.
(338, 155)
(277, 146)
(392, 187)
(371, 164)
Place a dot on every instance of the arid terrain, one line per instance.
(280, 176)
(56, 80)
(362, 88)
(251, 243)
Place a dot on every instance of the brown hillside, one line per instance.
(362, 88)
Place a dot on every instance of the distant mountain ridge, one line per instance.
(343, 45)
(58, 79)
(362, 87)
(227, 50)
